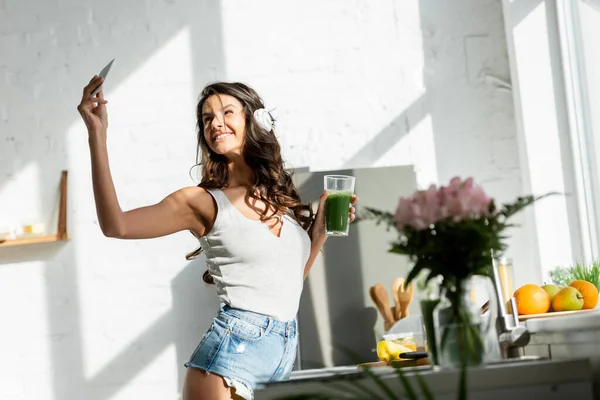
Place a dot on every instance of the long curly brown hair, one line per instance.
(272, 184)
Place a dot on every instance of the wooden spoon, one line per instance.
(380, 298)
(405, 295)
(396, 285)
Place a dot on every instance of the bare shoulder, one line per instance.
(200, 201)
(190, 193)
(189, 208)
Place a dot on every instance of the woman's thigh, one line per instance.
(200, 385)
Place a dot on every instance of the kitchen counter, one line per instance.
(547, 379)
(589, 320)
(568, 337)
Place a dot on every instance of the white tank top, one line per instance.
(252, 268)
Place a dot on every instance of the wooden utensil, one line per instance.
(396, 285)
(396, 364)
(380, 298)
(405, 295)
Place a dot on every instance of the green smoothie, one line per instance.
(337, 208)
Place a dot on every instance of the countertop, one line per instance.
(576, 322)
(527, 379)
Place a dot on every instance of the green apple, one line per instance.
(551, 290)
(567, 299)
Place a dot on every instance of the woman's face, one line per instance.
(224, 124)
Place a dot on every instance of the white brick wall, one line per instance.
(355, 84)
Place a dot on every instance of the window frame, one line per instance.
(580, 126)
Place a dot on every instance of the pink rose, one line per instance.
(419, 212)
(432, 204)
(403, 213)
(463, 199)
(457, 201)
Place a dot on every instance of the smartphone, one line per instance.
(103, 74)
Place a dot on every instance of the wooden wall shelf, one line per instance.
(61, 231)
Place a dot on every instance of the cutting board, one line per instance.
(555, 314)
(398, 364)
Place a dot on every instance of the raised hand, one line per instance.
(93, 109)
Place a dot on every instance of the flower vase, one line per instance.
(459, 330)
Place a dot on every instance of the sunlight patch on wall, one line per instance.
(151, 146)
(21, 199)
(423, 153)
(536, 59)
(152, 382)
(318, 284)
(416, 148)
(24, 343)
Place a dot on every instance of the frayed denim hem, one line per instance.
(242, 389)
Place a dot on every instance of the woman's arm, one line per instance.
(315, 248)
(174, 213)
(317, 233)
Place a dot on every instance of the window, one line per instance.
(579, 24)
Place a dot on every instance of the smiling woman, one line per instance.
(260, 240)
(224, 126)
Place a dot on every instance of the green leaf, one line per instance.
(356, 359)
(379, 382)
(345, 387)
(412, 275)
(462, 385)
(370, 394)
(379, 217)
(424, 388)
(579, 271)
(444, 341)
(410, 392)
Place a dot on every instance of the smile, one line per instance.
(222, 137)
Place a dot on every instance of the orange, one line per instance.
(532, 299)
(588, 291)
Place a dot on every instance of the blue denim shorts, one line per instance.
(246, 348)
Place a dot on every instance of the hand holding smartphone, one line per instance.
(103, 74)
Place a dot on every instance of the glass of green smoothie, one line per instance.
(340, 189)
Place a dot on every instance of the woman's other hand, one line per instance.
(318, 235)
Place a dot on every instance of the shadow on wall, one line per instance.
(391, 135)
(194, 305)
(93, 33)
(593, 3)
(344, 276)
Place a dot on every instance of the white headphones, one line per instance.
(264, 119)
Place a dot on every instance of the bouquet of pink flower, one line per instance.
(452, 231)
(458, 201)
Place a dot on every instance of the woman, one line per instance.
(260, 240)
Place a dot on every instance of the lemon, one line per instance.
(389, 351)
